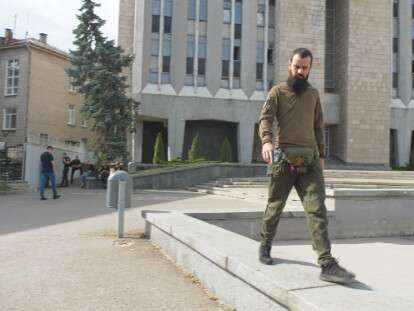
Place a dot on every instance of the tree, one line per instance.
(225, 151)
(96, 73)
(159, 150)
(195, 151)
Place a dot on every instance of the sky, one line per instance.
(56, 18)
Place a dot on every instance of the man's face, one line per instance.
(299, 68)
(50, 150)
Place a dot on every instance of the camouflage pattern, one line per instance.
(310, 187)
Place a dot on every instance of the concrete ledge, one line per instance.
(189, 176)
(227, 264)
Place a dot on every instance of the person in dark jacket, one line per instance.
(47, 173)
(76, 164)
(66, 165)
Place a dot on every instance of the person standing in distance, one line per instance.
(66, 165)
(297, 159)
(47, 173)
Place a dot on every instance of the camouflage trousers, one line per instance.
(310, 187)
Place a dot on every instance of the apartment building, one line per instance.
(37, 103)
(205, 66)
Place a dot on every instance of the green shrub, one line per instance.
(225, 151)
(195, 151)
(159, 150)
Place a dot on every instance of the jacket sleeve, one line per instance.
(319, 128)
(267, 116)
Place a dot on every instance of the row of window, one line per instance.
(10, 118)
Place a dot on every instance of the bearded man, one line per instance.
(296, 158)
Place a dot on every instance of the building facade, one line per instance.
(205, 66)
(37, 103)
(402, 106)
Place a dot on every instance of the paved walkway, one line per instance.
(63, 255)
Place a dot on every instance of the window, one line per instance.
(44, 139)
(156, 7)
(272, 13)
(201, 66)
(225, 59)
(202, 54)
(12, 77)
(412, 75)
(203, 10)
(395, 45)
(9, 119)
(154, 69)
(189, 65)
(236, 69)
(191, 9)
(270, 55)
(71, 115)
(155, 23)
(237, 31)
(395, 80)
(259, 63)
(167, 24)
(395, 9)
(226, 11)
(260, 16)
(259, 72)
(165, 64)
(225, 69)
(167, 7)
(155, 42)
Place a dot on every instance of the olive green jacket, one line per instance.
(299, 118)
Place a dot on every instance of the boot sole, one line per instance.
(266, 262)
(336, 279)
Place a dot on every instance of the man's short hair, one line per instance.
(303, 53)
(49, 147)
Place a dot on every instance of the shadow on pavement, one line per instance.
(19, 212)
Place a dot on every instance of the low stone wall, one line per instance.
(189, 176)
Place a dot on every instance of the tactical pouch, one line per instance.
(279, 162)
(299, 157)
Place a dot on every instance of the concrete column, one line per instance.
(248, 47)
(196, 35)
(176, 130)
(232, 20)
(266, 46)
(214, 46)
(137, 139)
(160, 44)
(178, 44)
(403, 138)
(404, 51)
(245, 144)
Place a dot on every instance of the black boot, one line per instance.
(264, 254)
(333, 272)
(56, 196)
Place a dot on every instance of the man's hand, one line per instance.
(267, 152)
(322, 163)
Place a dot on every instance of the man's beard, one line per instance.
(298, 84)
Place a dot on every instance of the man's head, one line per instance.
(299, 68)
(49, 149)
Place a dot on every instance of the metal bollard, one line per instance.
(122, 186)
(118, 196)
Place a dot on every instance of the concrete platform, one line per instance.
(227, 264)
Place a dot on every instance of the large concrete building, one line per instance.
(205, 66)
(37, 104)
